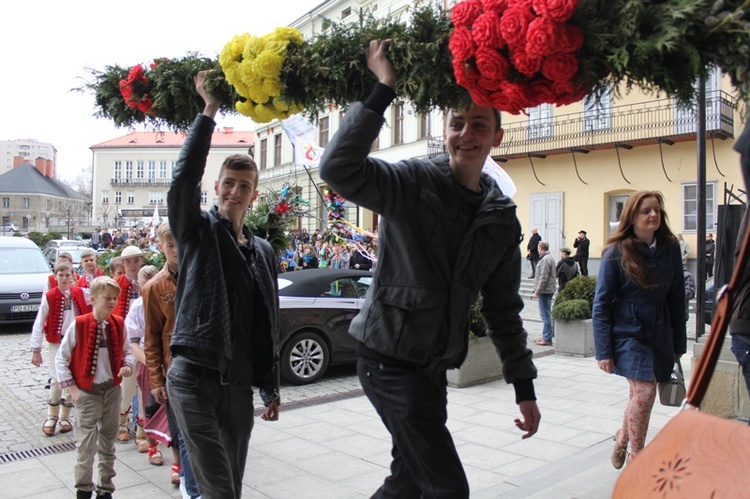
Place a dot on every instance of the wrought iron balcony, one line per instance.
(632, 124)
(141, 182)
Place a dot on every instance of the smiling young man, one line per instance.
(447, 233)
(226, 328)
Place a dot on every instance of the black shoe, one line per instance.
(83, 494)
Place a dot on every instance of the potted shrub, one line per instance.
(482, 363)
(574, 332)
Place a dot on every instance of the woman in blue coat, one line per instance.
(639, 312)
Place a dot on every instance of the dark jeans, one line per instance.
(741, 350)
(215, 421)
(583, 264)
(533, 263)
(413, 407)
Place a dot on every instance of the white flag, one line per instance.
(155, 221)
(500, 176)
(304, 138)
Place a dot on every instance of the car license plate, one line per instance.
(24, 308)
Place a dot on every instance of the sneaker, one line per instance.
(619, 453)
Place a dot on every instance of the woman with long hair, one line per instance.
(639, 312)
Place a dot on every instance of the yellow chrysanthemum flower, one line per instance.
(288, 33)
(245, 108)
(253, 47)
(272, 87)
(268, 64)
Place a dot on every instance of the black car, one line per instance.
(316, 308)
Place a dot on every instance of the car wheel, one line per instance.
(304, 358)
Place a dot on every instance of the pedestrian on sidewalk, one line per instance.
(447, 233)
(639, 312)
(532, 251)
(582, 245)
(546, 284)
(57, 311)
(130, 291)
(94, 356)
(158, 301)
(136, 323)
(227, 328)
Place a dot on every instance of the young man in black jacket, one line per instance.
(226, 331)
(447, 232)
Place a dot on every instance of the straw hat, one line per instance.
(131, 251)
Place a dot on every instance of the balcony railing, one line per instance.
(141, 182)
(645, 122)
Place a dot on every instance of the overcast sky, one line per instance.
(45, 46)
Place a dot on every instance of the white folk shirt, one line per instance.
(103, 367)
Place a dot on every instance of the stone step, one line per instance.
(587, 474)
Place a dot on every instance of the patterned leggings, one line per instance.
(637, 415)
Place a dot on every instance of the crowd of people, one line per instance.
(102, 238)
(324, 251)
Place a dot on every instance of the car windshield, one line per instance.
(22, 261)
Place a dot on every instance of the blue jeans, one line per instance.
(215, 421)
(413, 407)
(545, 307)
(741, 349)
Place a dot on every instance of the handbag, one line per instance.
(697, 454)
(673, 392)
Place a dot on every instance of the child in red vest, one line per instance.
(90, 270)
(94, 356)
(59, 306)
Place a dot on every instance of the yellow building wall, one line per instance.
(586, 206)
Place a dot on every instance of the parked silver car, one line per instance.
(23, 273)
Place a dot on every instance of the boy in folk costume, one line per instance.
(90, 270)
(132, 259)
(59, 306)
(94, 356)
(158, 301)
(51, 280)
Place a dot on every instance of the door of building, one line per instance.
(546, 215)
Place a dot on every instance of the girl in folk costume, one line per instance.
(58, 308)
(90, 270)
(132, 259)
(136, 323)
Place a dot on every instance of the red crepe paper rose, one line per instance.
(540, 37)
(557, 10)
(486, 31)
(514, 23)
(491, 64)
(134, 90)
(514, 54)
(461, 44)
(560, 67)
(464, 13)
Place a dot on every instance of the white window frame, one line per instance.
(690, 207)
(540, 121)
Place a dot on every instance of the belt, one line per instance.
(197, 370)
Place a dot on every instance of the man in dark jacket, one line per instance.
(447, 233)
(532, 249)
(582, 244)
(566, 268)
(226, 328)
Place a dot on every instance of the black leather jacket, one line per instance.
(211, 264)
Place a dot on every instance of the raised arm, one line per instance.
(184, 197)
